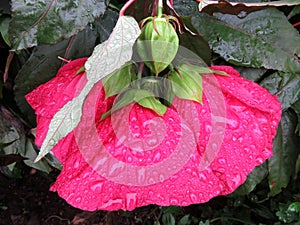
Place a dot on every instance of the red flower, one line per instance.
(134, 158)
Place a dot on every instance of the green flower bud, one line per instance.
(158, 44)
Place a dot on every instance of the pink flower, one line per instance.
(203, 152)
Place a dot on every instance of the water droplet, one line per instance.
(193, 198)
(76, 164)
(157, 157)
(259, 160)
(78, 199)
(222, 160)
(97, 187)
(174, 201)
(202, 177)
(131, 201)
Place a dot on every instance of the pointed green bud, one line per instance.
(158, 44)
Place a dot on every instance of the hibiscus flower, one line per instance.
(134, 157)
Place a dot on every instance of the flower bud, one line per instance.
(158, 44)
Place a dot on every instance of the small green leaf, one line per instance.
(4, 24)
(187, 82)
(118, 80)
(184, 220)
(147, 100)
(168, 219)
(122, 100)
(82, 69)
(31, 154)
(294, 207)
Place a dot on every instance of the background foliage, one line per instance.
(263, 45)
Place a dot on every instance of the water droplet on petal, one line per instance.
(131, 201)
(97, 187)
(193, 198)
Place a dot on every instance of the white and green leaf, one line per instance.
(106, 58)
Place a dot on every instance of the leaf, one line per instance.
(135, 9)
(4, 22)
(294, 207)
(168, 219)
(196, 44)
(294, 12)
(286, 147)
(252, 74)
(118, 81)
(186, 7)
(12, 133)
(297, 167)
(146, 99)
(184, 220)
(236, 8)
(262, 39)
(47, 22)
(253, 179)
(285, 85)
(43, 65)
(187, 83)
(106, 58)
(122, 100)
(31, 154)
(296, 108)
(105, 24)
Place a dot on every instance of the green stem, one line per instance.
(160, 8)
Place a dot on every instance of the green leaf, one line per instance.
(294, 207)
(286, 147)
(236, 8)
(147, 100)
(106, 58)
(105, 24)
(284, 85)
(168, 219)
(196, 44)
(187, 83)
(186, 7)
(285, 215)
(118, 81)
(31, 154)
(4, 23)
(297, 167)
(294, 12)
(12, 133)
(122, 100)
(296, 108)
(262, 39)
(43, 64)
(253, 179)
(252, 74)
(47, 22)
(185, 220)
